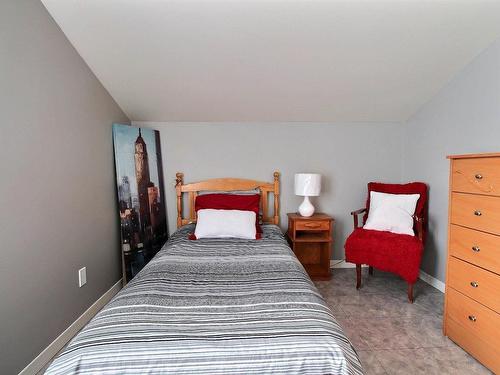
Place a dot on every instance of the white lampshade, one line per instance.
(307, 184)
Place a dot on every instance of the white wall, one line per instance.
(347, 155)
(57, 188)
(464, 117)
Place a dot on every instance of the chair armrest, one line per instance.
(357, 212)
(419, 223)
(355, 216)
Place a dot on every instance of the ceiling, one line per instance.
(255, 60)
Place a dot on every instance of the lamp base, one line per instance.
(306, 209)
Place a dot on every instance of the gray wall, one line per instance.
(347, 155)
(464, 117)
(57, 190)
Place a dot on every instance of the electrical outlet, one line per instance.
(82, 276)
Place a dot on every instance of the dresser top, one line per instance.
(471, 156)
(316, 216)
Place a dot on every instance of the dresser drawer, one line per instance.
(481, 285)
(483, 352)
(477, 175)
(481, 249)
(473, 316)
(312, 225)
(476, 211)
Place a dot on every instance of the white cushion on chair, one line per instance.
(392, 212)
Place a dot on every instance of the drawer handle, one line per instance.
(476, 181)
(312, 225)
(476, 249)
(472, 318)
(474, 284)
(477, 213)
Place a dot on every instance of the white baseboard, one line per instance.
(341, 263)
(432, 281)
(55, 346)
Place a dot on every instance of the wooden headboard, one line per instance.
(227, 184)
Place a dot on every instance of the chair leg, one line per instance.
(410, 292)
(370, 270)
(358, 276)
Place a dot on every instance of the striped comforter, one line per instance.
(214, 306)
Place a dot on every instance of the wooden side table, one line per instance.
(311, 240)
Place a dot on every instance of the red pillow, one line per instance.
(230, 202)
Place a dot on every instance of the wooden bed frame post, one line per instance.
(276, 197)
(179, 181)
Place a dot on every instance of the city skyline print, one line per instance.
(141, 199)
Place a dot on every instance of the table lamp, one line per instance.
(307, 185)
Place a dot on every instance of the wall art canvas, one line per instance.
(141, 195)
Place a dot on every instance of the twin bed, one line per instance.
(215, 306)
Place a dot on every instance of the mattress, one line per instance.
(214, 306)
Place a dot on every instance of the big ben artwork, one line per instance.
(143, 181)
(141, 199)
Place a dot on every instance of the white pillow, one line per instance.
(225, 223)
(392, 212)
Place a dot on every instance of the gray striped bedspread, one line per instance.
(214, 306)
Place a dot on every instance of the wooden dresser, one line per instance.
(472, 304)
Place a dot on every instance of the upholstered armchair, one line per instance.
(397, 253)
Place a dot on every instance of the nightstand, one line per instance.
(311, 240)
